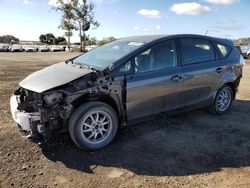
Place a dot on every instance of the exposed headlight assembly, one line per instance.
(53, 98)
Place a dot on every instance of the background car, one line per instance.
(30, 48)
(56, 48)
(89, 48)
(44, 48)
(16, 48)
(244, 50)
(248, 54)
(4, 47)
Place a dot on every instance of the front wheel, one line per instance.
(93, 125)
(222, 101)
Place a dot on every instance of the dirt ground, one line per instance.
(194, 149)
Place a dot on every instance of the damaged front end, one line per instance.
(39, 114)
(36, 114)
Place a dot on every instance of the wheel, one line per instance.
(93, 125)
(222, 101)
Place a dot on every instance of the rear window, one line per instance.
(224, 49)
(196, 51)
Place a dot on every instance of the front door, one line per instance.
(155, 85)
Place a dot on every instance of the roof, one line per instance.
(150, 38)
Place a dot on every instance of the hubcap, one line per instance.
(96, 126)
(224, 100)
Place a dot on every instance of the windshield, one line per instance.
(103, 56)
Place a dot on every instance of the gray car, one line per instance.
(125, 81)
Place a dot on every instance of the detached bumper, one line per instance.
(26, 121)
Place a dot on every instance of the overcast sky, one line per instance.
(28, 19)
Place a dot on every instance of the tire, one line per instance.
(217, 108)
(93, 125)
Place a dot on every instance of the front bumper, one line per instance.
(27, 122)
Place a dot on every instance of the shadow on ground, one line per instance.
(185, 144)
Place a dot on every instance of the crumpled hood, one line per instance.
(53, 76)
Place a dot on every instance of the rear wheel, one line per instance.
(222, 101)
(93, 125)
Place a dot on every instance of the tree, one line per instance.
(67, 20)
(111, 38)
(91, 41)
(7, 39)
(84, 15)
(47, 38)
(77, 15)
(58, 40)
(42, 39)
(106, 40)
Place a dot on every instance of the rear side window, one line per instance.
(224, 49)
(196, 51)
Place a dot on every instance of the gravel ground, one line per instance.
(194, 149)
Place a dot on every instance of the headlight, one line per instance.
(54, 98)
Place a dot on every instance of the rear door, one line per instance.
(155, 85)
(201, 71)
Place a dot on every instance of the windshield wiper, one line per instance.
(81, 65)
(94, 69)
(69, 61)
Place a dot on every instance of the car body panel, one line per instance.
(152, 92)
(199, 80)
(53, 76)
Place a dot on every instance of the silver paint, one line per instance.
(53, 76)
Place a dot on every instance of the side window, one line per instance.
(196, 51)
(224, 49)
(160, 56)
(126, 68)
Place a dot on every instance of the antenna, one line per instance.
(206, 33)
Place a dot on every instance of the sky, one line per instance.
(28, 19)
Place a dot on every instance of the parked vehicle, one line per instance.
(4, 47)
(44, 48)
(30, 48)
(248, 54)
(56, 48)
(16, 48)
(244, 51)
(92, 47)
(125, 81)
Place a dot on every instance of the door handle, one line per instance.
(176, 78)
(219, 70)
(130, 77)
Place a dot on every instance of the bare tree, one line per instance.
(68, 19)
(84, 15)
(77, 15)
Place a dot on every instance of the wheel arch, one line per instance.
(101, 97)
(232, 85)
